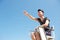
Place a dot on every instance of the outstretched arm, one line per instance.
(30, 16)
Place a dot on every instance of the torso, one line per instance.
(43, 22)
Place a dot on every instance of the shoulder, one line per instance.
(47, 19)
(38, 19)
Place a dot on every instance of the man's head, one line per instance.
(40, 12)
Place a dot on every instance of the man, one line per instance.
(44, 22)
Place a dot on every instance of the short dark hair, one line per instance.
(40, 10)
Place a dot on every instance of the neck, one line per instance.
(42, 17)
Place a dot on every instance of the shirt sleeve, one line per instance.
(38, 19)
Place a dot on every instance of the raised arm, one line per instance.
(30, 16)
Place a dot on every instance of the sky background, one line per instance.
(14, 25)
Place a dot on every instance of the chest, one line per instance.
(42, 21)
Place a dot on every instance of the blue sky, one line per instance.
(14, 25)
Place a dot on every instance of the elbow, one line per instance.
(33, 18)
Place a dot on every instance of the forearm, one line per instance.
(31, 17)
(28, 15)
(45, 25)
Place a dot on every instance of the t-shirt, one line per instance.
(39, 20)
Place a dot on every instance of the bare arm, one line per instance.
(30, 16)
(46, 24)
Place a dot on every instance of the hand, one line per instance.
(42, 26)
(25, 12)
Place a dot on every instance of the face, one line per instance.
(40, 13)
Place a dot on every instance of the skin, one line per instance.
(41, 16)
